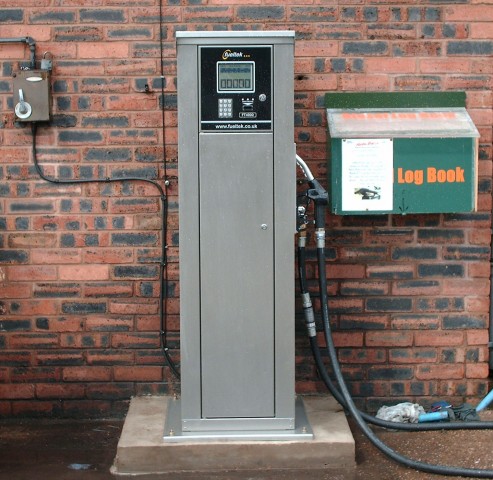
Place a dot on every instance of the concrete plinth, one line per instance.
(142, 450)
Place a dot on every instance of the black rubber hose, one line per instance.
(351, 407)
(162, 264)
(324, 375)
(411, 427)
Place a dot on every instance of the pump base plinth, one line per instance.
(173, 429)
(142, 448)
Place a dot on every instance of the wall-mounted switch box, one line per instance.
(32, 95)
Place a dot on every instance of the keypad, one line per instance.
(225, 108)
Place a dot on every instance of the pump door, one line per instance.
(236, 270)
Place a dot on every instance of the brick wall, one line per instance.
(79, 265)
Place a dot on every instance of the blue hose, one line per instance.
(485, 402)
(433, 416)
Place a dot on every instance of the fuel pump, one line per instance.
(237, 222)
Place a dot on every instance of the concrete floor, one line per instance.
(85, 450)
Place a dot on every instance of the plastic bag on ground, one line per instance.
(405, 412)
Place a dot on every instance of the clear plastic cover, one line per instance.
(403, 122)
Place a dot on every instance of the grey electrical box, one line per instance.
(32, 95)
(237, 223)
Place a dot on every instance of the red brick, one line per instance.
(479, 99)
(138, 374)
(37, 307)
(114, 289)
(416, 287)
(126, 67)
(149, 323)
(429, 372)
(59, 357)
(425, 339)
(347, 339)
(5, 409)
(31, 272)
(317, 82)
(346, 271)
(23, 240)
(306, 48)
(62, 390)
(35, 374)
(15, 155)
(413, 355)
(4, 374)
(476, 388)
(477, 370)
(388, 338)
(103, 50)
(95, 323)
(83, 272)
(36, 408)
(356, 82)
(110, 357)
(40, 32)
(468, 13)
(416, 322)
(135, 340)
(390, 271)
(16, 391)
(465, 287)
(15, 290)
(56, 290)
(54, 257)
(131, 102)
(477, 337)
(451, 388)
(390, 65)
(444, 65)
(479, 236)
(86, 374)
(134, 306)
(477, 304)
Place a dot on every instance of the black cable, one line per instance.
(162, 264)
(164, 273)
(344, 392)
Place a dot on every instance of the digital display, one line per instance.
(235, 77)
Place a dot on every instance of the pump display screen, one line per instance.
(235, 76)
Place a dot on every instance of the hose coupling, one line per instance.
(302, 239)
(320, 237)
(309, 315)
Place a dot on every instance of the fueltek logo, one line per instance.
(229, 54)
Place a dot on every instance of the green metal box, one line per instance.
(402, 160)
